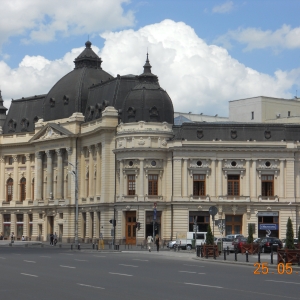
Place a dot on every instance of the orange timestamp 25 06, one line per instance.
(262, 268)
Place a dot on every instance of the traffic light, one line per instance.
(114, 222)
(155, 226)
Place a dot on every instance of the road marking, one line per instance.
(194, 266)
(66, 253)
(187, 272)
(30, 261)
(140, 259)
(46, 256)
(119, 274)
(99, 256)
(202, 273)
(67, 267)
(129, 266)
(284, 281)
(212, 286)
(16, 254)
(95, 287)
(29, 275)
(80, 259)
(2, 257)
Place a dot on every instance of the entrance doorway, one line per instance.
(130, 227)
(50, 226)
(233, 224)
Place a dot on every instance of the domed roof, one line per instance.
(70, 93)
(147, 101)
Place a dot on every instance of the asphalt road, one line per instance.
(54, 273)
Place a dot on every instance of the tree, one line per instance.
(250, 234)
(209, 236)
(289, 243)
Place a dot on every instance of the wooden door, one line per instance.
(130, 227)
(233, 224)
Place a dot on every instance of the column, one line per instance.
(91, 171)
(282, 191)
(25, 224)
(220, 178)
(98, 173)
(247, 192)
(141, 179)
(49, 174)
(59, 183)
(2, 179)
(184, 179)
(254, 183)
(38, 181)
(213, 191)
(16, 181)
(13, 224)
(121, 192)
(70, 176)
(28, 177)
(82, 174)
(1, 223)
(96, 225)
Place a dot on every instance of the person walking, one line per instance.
(149, 242)
(55, 238)
(157, 242)
(51, 239)
(12, 237)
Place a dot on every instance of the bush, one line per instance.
(209, 236)
(289, 243)
(250, 234)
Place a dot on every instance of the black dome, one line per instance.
(70, 93)
(147, 101)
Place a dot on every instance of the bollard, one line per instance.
(272, 254)
(71, 246)
(228, 250)
(78, 246)
(258, 255)
(247, 258)
(235, 254)
(93, 246)
(224, 254)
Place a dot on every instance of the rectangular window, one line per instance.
(131, 184)
(289, 113)
(252, 115)
(267, 185)
(152, 185)
(233, 185)
(199, 185)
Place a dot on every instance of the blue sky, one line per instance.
(205, 53)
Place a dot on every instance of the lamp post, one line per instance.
(74, 173)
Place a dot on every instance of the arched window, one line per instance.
(23, 189)
(9, 189)
(32, 187)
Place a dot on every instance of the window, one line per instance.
(61, 215)
(289, 113)
(252, 115)
(152, 185)
(199, 185)
(10, 160)
(23, 189)
(9, 189)
(267, 185)
(233, 185)
(23, 160)
(131, 184)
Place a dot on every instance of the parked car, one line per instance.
(284, 240)
(171, 244)
(225, 243)
(238, 242)
(267, 242)
(257, 240)
(232, 237)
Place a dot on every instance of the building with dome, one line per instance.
(106, 148)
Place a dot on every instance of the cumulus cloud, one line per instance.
(197, 76)
(42, 21)
(223, 8)
(255, 38)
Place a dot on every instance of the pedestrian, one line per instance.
(157, 242)
(1, 236)
(149, 242)
(51, 239)
(55, 238)
(23, 238)
(12, 237)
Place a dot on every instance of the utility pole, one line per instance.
(74, 173)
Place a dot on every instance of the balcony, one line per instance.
(227, 198)
(268, 198)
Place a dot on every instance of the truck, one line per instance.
(184, 239)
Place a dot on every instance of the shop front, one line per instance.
(268, 224)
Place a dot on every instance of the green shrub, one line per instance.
(209, 236)
(250, 234)
(289, 243)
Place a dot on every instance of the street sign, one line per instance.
(213, 210)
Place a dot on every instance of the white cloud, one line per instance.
(197, 76)
(223, 8)
(255, 38)
(42, 21)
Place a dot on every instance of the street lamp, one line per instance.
(74, 173)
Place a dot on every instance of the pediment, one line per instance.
(50, 132)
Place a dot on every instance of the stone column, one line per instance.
(38, 181)
(70, 176)
(184, 179)
(282, 191)
(28, 177)
(91, 171)
(96, 225)
(254, 183)
(13, 224)
(213, 191)
(59, 183)
(98, 173)
(141, 189)
(220, 185)
(16, 181)
(2, 179)
(1, 223)
(49, 174)
(247, 192)
(82, 174)
(121, 192)
(25, 224)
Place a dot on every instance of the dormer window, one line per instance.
(66, 100)
(131, 114)
(98, 111)
(91, 110)
(52, 102)
(153, 113)
(12, 124)
(24, 124)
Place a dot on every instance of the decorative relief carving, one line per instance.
(58, 152)
(50, 134)
(48, 153)
(15, 158)
(164, 142)
(141, 141)
(234, 209)
(69, 151)
(234, 164)
(268, 164)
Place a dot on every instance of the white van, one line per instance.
(184, 239)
